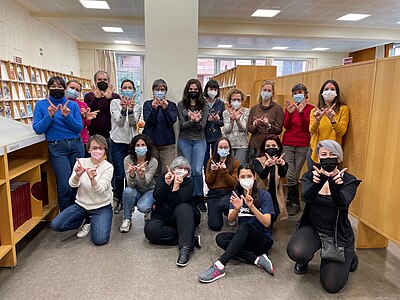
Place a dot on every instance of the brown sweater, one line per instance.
(275, 115)
(221, 179)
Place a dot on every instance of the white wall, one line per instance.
(22, 35)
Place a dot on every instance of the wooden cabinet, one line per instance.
(244, 78)
(23, 158)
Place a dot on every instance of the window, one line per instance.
(130, 67)
(225, 64)
(243, 62)
(205, 69)
(260, 62)
(395, 51)
(287, 67)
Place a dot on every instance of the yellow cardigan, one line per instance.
(324, 130)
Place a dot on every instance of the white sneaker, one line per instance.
(233, 223)
(147, 216)
(85, 229)
(125, 226)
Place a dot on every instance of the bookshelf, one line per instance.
(23, 158)
(21, 86)
(244, 78)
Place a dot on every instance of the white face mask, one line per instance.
(246, 183)
(181, 172)
(97, 154)
(212, 94)
(236, 104)
(266, 95)
(329, 95)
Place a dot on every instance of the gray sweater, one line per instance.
(189, 130)
(141, 184)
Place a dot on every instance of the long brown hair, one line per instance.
(338, 99)
(200, 101)
(229, 159)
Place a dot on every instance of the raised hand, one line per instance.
(198, 115)
(108, 93)
(84, 112)
(96, 91)
(236, 201)
(319, 113)
(90, 115)
(330, 113)
(155, 103)
(214, 166)
(79, 169)
(291, 107)
(256, 121)
(191, 114)
(302, 105)
(270, 160)
(164, 104)
(232, 114)
(248, 200)
(91, 172)
(177, 182)
(238, 114)
(124, 103)
(280, 160)
(317, 174)
(131, 169)
(169, 176)
(52, 109)
(338, 178)
(142, 169)
(64, 109)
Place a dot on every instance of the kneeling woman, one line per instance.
(327, 192)
(175, 217)
(92, 176)
(253, 208)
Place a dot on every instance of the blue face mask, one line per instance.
(298, 98)
(72, 94)
(223, 152)
(127, 93)
(141, 151)
(159, 94)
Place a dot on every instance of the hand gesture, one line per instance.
(248, 200)
(302, 105)
(191, 115)
(291, 107)
(79, 169)
(222, 165)
(164, 104)
(270, 160)
(83, 112)
(131, 104)
(91, 172)
(131, 169)
(64, 109)
(280, 160)
(256, 121)
(214, 166)
(338, 178)
(52, 109)
(90, 115)
(265, 120)
(124, 103)
(330, 113)
(142, 169)
(318, 114)
(198, 115)
(169, 176)
(317, 174)
(154, 104)
(232, 114)
(210, 117)
(96, 91)
(238, 114)
(177, 182)
(108, 93)
(236, 201)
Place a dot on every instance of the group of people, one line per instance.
(98, 155)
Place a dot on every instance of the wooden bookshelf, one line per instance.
(21, 86)
(23, 161)
(244, 78)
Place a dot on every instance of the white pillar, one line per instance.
(171, 30)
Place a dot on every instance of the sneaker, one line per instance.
(293, 210)
(118, 208)
(125, 226)
(184, 256)
(197, 241)
(85, 229)
(233, 223)
(147, 216)
(265, 263)
(213, 273)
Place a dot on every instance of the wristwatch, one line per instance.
(333, 122)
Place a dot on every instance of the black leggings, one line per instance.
(218, 203)
(301, 248)
(247, 243)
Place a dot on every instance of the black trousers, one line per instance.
(179, 230)
(301, 248)
(218, 203)
(246, 243)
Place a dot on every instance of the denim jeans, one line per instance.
(118, 153)
(63, 155)
(73, 216)
(194, 152)
(207, 154)
(133, 197)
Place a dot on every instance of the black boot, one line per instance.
(300, 269)
(184, 256)
(354, 263)
(293, 194)
(199, 201)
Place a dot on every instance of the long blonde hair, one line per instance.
(265, 82)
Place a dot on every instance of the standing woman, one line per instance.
(60, 120)
(271, 168)
(160, 115)
(329, 120)
(296, 142)
(215, 121)
(265, 118)
(123, 126)
(235, 122)
(192, 113)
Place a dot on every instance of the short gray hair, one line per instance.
(159, 83)
(332, 146)
(182, 162)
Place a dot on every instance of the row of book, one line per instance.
(21, 94)
(21, 203)
(22, 74)
(19, 112)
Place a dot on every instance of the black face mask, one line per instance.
(193, 95)
(329, 164)
(272, 151)
(56, 93)
(102, 85)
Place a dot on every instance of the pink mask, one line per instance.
(97, 154)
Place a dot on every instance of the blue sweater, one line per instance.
(58, 127)
(160, 123)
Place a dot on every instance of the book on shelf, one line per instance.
(27, 93)
(16, 111)
(1, 92)
(33, 75)
(12, 73)
(22, 110)
(19, 73)
(6, 92)
(26, 75)
(20, 203)
(34, 94)
(44, 93)
(14, 92)
(20, 91)
(4, 73)
(29, 110)
(38, 77)
(7, 111)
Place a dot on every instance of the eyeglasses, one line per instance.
(97, 148)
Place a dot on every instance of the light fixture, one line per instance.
(398, 22)
(94, 4)
(279, 48)
(123, 42)
(265, 13)
(319, 49)
(225, 46)
(112, 29)
(353, 17)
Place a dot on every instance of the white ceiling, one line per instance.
(85, 24)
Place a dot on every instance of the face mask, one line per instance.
(223, 152)
(194, 95)
(329, 164)
(271, 151)
(159, 94)
(298, 98)
(97, 154)
(181, 172)
(329, 95)
(266, 95)
(236, 104)
(246, 183)
(72, 94)
(102, 85)
(127, 93)
(57, 93)
(140, 151)
(212, 94)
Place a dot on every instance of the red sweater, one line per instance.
(86, 123)
(297, 133)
